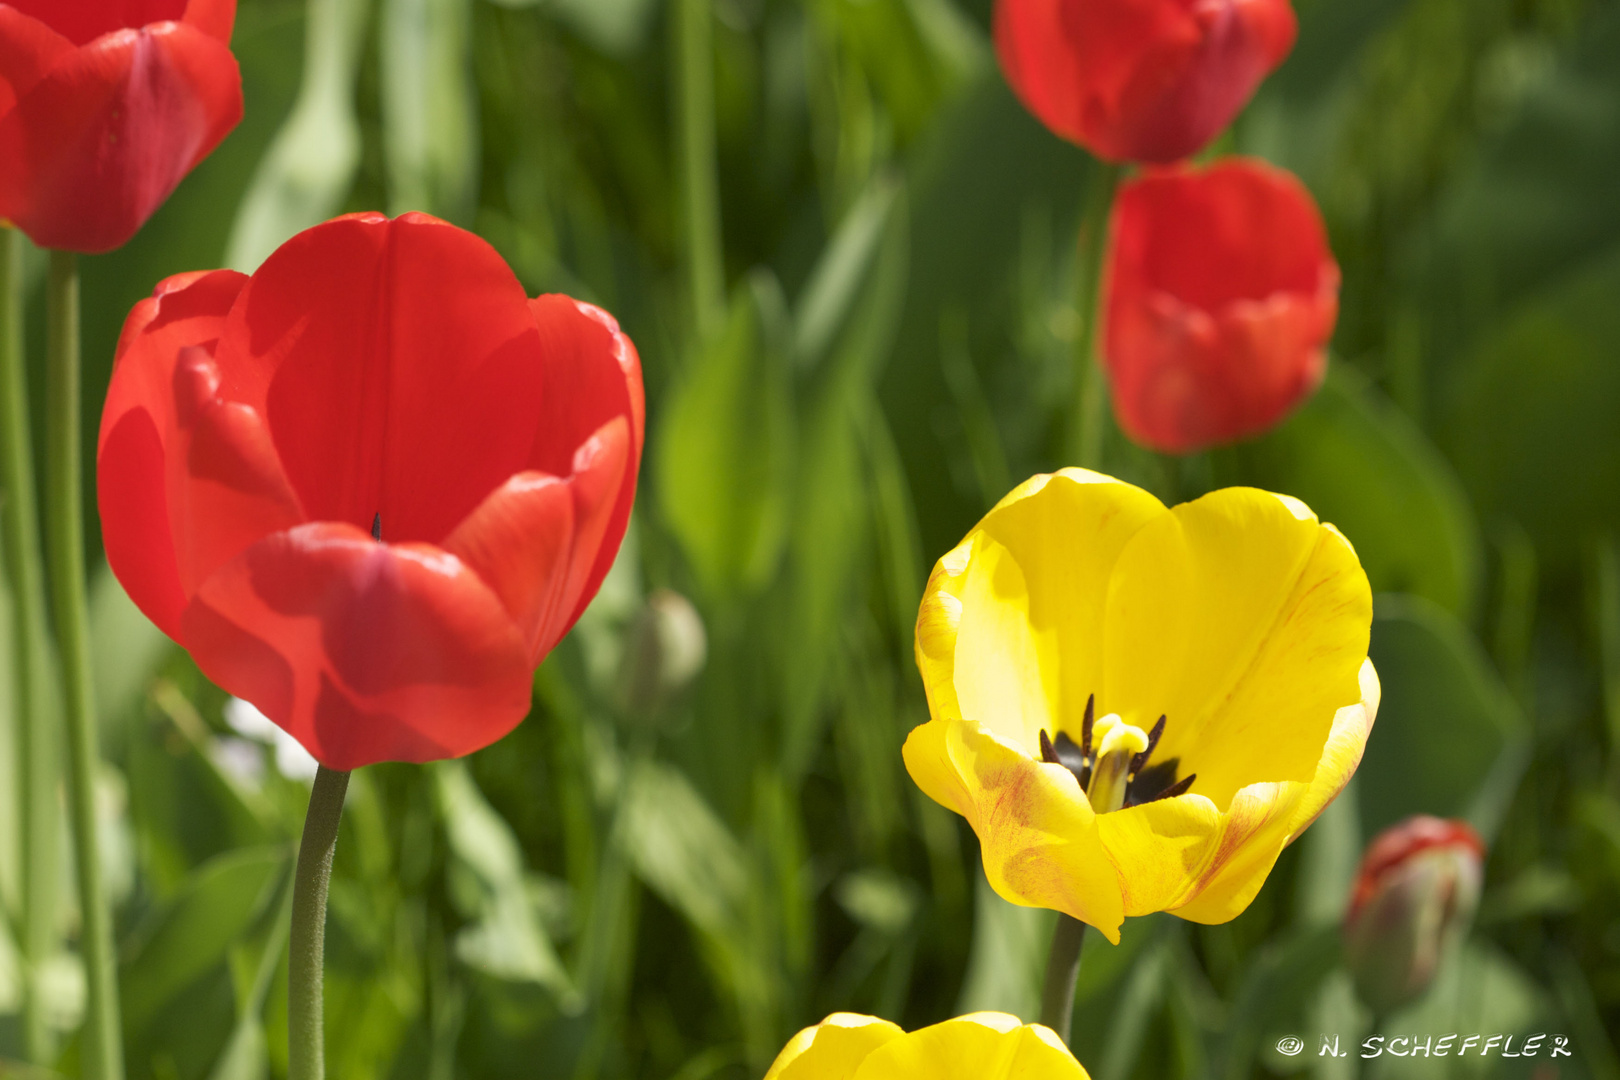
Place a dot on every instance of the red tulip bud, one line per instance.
(1140, 80)
(105, 106)
(1417, 888)
(1222, 295)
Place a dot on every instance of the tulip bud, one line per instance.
(1415, 892)
(665, 648)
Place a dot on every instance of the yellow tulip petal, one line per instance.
(1244, 621)
(937, 621)
(981, 1046)
(1066, 531)
(1001, 686)
(1159, 849)
(832, 1049)
(1265, 818)
(928, 760)
(1037, 833)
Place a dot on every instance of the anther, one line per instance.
(1178, 788)
(1086, 723)
(1153, 740)
(376, 527)
(1048, 753)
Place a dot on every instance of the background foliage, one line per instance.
(652, 885)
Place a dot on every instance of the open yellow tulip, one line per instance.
(979, 1046)
(1137, 708)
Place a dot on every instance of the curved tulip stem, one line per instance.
(694, 67)
(306, 1031)
(1062, 968)
(1090, 383)
(64, 539)
(37, 812)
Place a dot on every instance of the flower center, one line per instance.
(1111, 762)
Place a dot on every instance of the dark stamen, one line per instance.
(1153, 740)
(1063, 751)
(376, 527)
(1085, 725)
(1178, 788)
(1048, 755)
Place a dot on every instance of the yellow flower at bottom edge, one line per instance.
(979, 1046)
(1136, 707)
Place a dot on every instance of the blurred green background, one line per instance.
(650, 879)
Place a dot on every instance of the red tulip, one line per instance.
(371, 371)
(1140, 80)
(1222, 295)
(1416, 889)
(105, 105)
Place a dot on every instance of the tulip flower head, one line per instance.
(372, 485)
(1137, 707)
(105, 106)
(1222, 294)
(1140, 80)
(980, 1046)
(1416, 890)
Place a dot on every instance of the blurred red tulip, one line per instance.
(1140, 80)
(1417, 886)
(1222, 295)
(105, 106)
(370, 371)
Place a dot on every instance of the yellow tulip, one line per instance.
(1077, 614)
(980, 1046)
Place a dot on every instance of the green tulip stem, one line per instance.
(1090, 382)
(64, 540)
(1062, 969)
(694, 67)
(306, 1025)
(38, 816)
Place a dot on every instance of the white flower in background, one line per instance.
(292, 760)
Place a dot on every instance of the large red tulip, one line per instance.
(1222, 295)
(1140, 80)
(373, 372)
(105, 106)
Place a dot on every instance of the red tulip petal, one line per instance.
(1140, 80)
(139, 435)
(364, 652)
(216, 18)
(592, 374)
(28, 49)
(1222, 295)
(400, 363)
(536, 539)
(98, 143)
(82, 21)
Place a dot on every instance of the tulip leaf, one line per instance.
(506, 937)
(307, 172)
(430, 123)
(1449, 739)
(1008, 957)
(725, 447)
(829, 297)
(222, 902)
(1530, 422)
(127, 646)
(1362, 465)
(1476, 991)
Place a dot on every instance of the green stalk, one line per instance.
(306, 1026)
(64, 537)
(1062, 969)
(694, 66)
(36, 746)
(1090, 381)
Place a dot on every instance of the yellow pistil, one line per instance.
(1117, 743)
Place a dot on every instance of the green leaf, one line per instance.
(308, 170)
(128, 648)
(1008, 960)
(222, 902)
(506, 938)
(1449, 739)
(725, 448)
(430, 121)
(829, 297)
(1362, 465)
